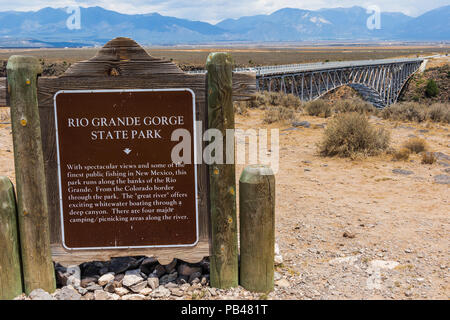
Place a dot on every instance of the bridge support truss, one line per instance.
(379, 84)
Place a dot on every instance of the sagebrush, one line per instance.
(350, 134)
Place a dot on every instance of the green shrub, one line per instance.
(349, 134)
(431, 90)
(318, 108)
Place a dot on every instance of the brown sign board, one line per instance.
(118, 185)
(124, 66)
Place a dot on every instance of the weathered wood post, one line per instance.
(224, 257)
(10, 266)
(38, 271)
(257, 228)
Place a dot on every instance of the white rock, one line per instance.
(161, 292)
(67, 293)
(136, 288)
(121, 291)
(146, 291)
(132, 277)
(283, 283)
(153, 283)
(75, 279)
(106, 278)
(102, 295)
(278, 259)
(133, 297)
(39, 294)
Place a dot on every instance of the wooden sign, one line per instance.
(125, 66)
(119, 187)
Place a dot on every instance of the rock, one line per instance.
(74, 279)
(121, 264)
(153, 282)
(161, 292)
(90, 269)
(146, 291)
(442, 179)
(349, 235)
(133, 297)
(171, 266)
(148, 265)
(88, 296)
(447, 170)
(205, 265)
(94, 287)
(171, 285)
(138, 287)
(304, 124)
(441, 156)
(110, 287)
(159, 271)
(194, 276)
(205, 280)
(121, 291)
(68, 293)
(278, 259)
(106, 278)
(85, 282)
(408, 293)
(102, 295)
(177, 292)
(39, 294)
(402, 172)
(187, 270)
(283, 283)
(168, 278)
(103, 271)
(182, 280)
(119, 277)
(61, 275)
(132, 277)
(277, 276)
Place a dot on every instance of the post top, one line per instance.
(255, 173)
(17, 62)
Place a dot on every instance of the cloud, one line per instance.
(217, 10)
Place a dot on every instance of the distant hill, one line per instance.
(47, 27)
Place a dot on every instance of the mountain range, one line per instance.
(47, 27)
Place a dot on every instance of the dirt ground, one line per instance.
(396, 243)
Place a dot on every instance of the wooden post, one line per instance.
(10, 266)
(38, 271)
(224, 256)
(257, 228)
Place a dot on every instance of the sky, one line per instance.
(214, 11)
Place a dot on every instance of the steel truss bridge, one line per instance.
(378, 81)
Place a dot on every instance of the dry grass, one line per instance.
(428, 158)
(354, 104)
(318, 108)
(279, 114)
(418, 112)
(351, 134)
(415, 145)
(402, 154)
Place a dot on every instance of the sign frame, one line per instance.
(194, 157)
